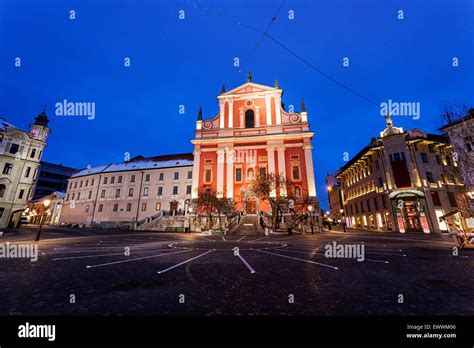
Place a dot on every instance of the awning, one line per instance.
(405, 193)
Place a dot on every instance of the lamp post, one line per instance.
(46, 203)
(310, 209)
(343, 220)
(190, 218)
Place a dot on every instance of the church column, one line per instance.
(220, 172)
(230, 172)
(271, 164)
(231, 113)
(278, 110)
(282, 166)
(196, 164)
(308, 157)
(268, 110)
(221, 114)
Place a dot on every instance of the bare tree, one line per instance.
(269, 187)
(206, 203)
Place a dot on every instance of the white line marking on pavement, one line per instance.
(210, 240)
(297, 259)
(238, 240)
(246, 263)
(138, 258)
(182, 263)
(254, 240)
(302, 252)
(100, 255)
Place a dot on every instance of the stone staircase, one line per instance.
(248, 225)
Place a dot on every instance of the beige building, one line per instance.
(402, 181)
(122, 194)
(461, 136)
(20, 155)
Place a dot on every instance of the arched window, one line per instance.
(249, 119)
(3, 188)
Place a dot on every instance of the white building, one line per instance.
(120, 194)
(20, 155)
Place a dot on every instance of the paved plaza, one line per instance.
(82, 272)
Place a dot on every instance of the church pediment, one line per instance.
(250, 87)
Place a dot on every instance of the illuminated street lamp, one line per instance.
(46, 203)
(343, 220)
(310, 208)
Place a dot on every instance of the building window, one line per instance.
(376, 205)
(295, 172)
(176, 176)
(102, 194)
(158, 206)
(452, 199)
(92, 182)
(22, 193)
(112, 180)
(380, 183)
(429, 177)
(368, 206)
(2, 210)
(73, 195)
(438, 159)
(105, 180)
(190, 174)
(115, 207)
(120, 179)
(14, 148)
(117, 193)
(132, 178)
(297, 192)
(424, 157)
(27, 173)
(263, 172)
(145, 191)
(75, 184)
(129, 206)
(101, 207)
(130, 192)
(80, 183)
(147, 177)
(87, 208)
(90, 194)
(175, 190)
(143, 206)
(249, 119)
(208, 176)
(78, 196)
(383, 203)
(33, 153)
(435, 198)
(7, 169)
(238, 174)
(161, 177)
(160, 191)
(188, 189)
(3, 189)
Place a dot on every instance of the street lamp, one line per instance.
(310, 208)
(46, 203)
(343, 220)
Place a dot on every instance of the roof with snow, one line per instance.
(141, 163)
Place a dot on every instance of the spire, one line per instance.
(42, 118)
(200, 114)
(223, 89)
(249, 77)
(276, 85)
(303, 106)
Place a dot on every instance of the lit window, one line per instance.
(145, 191)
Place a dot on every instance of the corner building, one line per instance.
(252, 134)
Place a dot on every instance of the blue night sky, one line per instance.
(184, 62)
